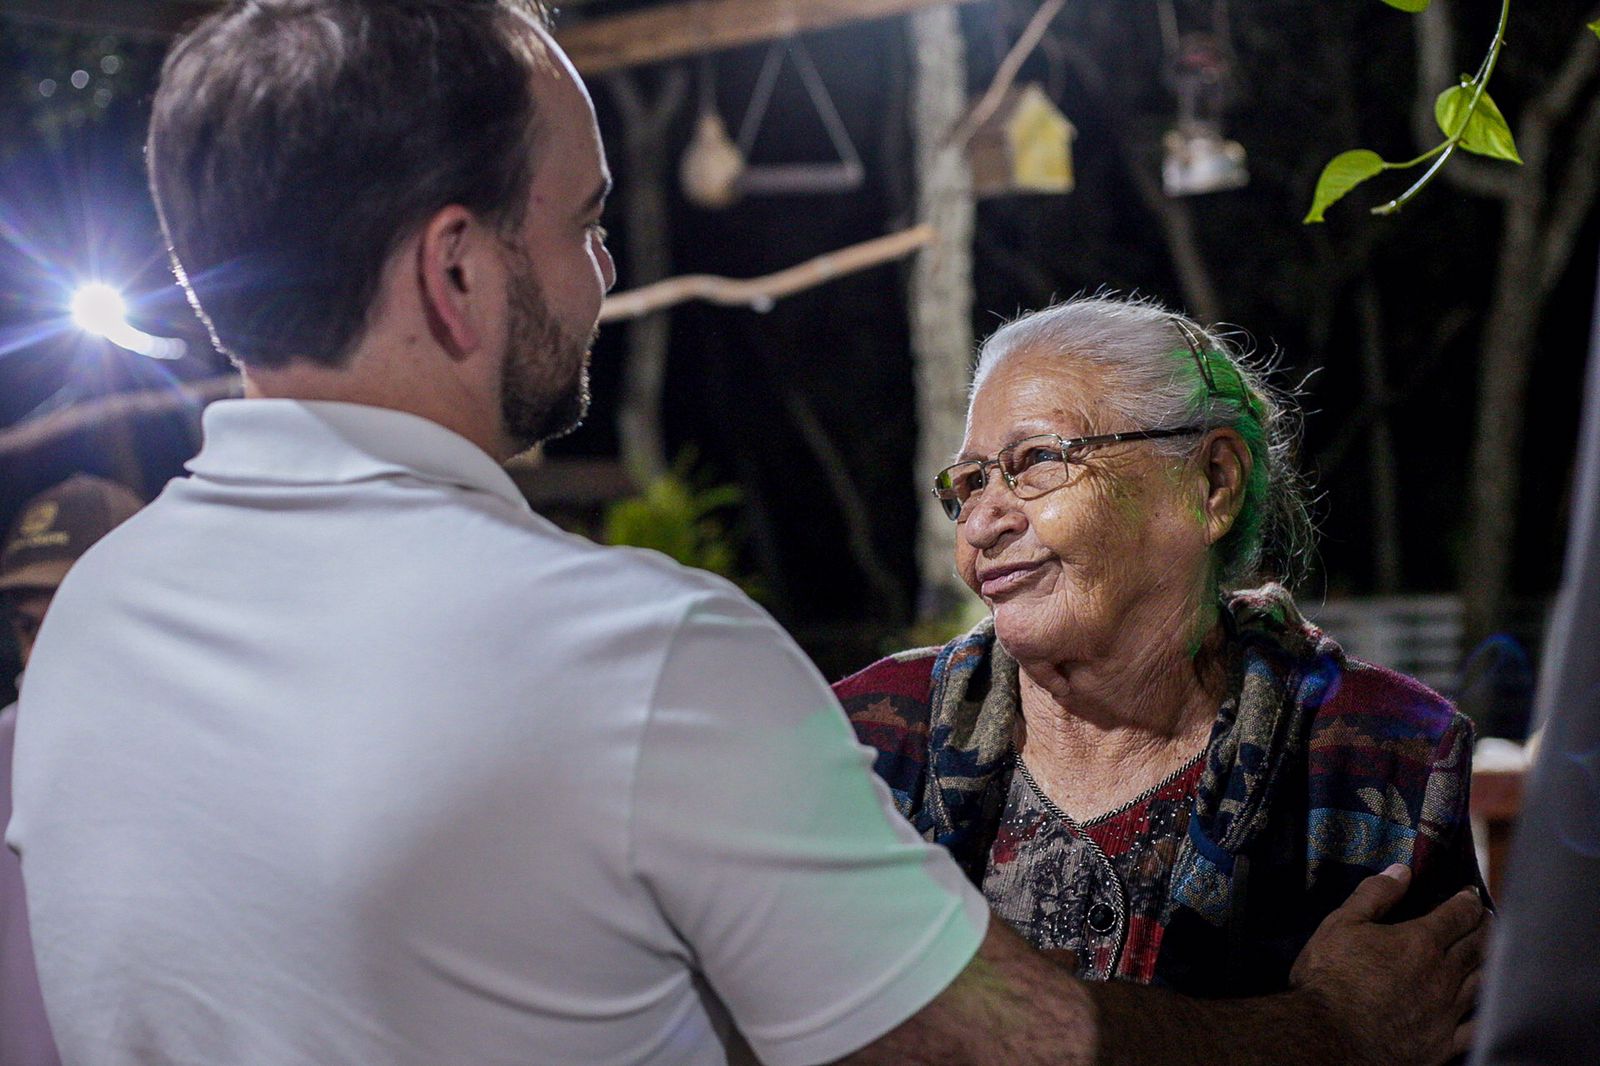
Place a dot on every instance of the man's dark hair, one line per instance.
(295, 143)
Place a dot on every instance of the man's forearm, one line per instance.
(1012, 1008)
(1362, 993)
(1137, 1025)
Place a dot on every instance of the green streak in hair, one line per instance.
(1245, 536)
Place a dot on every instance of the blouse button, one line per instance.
(1102, 919)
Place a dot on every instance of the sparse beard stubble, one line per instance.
(544, 390)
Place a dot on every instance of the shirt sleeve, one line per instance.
(1444, 860)
(812, 908)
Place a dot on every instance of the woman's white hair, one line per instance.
(1164, 370)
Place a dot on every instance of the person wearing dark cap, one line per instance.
(54, 528)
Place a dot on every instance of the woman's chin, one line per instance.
(1024, 635)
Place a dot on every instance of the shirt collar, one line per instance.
(322, 442)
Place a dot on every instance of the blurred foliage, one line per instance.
(683, 521)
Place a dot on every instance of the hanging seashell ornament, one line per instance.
(711, 165)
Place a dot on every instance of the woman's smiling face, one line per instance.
(1117, 552)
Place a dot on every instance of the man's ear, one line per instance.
(1226, 462)
(451, 275)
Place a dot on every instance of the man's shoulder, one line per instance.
(614, 598)
(638, 575)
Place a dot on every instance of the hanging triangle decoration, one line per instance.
(843, 174)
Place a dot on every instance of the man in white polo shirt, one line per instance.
(337, 753)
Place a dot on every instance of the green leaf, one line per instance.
(1344, 172)
(1412, 6)
(1486, 131)
(1595, 26)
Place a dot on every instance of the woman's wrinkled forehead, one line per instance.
(1032, 391)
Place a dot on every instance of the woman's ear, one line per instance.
(1226, 462)
(451, 275)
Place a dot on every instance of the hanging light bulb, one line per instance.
(99, 309)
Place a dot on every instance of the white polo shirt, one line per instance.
(337, 753)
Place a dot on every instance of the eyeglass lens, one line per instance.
(1033, 466)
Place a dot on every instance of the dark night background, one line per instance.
(1312, 80)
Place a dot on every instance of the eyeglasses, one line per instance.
(1031, 466)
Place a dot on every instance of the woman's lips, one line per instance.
(998, 580)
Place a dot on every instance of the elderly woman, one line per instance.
(1145, 754)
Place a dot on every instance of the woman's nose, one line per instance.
(991, 514)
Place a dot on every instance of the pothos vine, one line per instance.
(1467, 117)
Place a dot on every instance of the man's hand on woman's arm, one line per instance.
(1400, 992)
(1362, 993)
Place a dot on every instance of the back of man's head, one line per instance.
(295, 143)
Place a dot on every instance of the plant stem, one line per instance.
(1479, 84)
(1409, 163)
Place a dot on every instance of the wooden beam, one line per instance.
(149, 19)
(649, 35)
(760, 293)
(576, 482)
(694, 27)
(134, 18)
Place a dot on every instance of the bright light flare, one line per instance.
(99, 309)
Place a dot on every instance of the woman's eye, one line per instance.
(1034, 456)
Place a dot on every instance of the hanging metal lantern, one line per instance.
(1198, 158)
(1024, 147)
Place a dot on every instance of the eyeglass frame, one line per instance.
(1065, 444)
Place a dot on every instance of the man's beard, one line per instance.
(544, 385)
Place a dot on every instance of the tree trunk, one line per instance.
(941, 288)
(1381, 474)
(1509, 338)
(643, 190)
(1177, 226)
(1542, 220)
